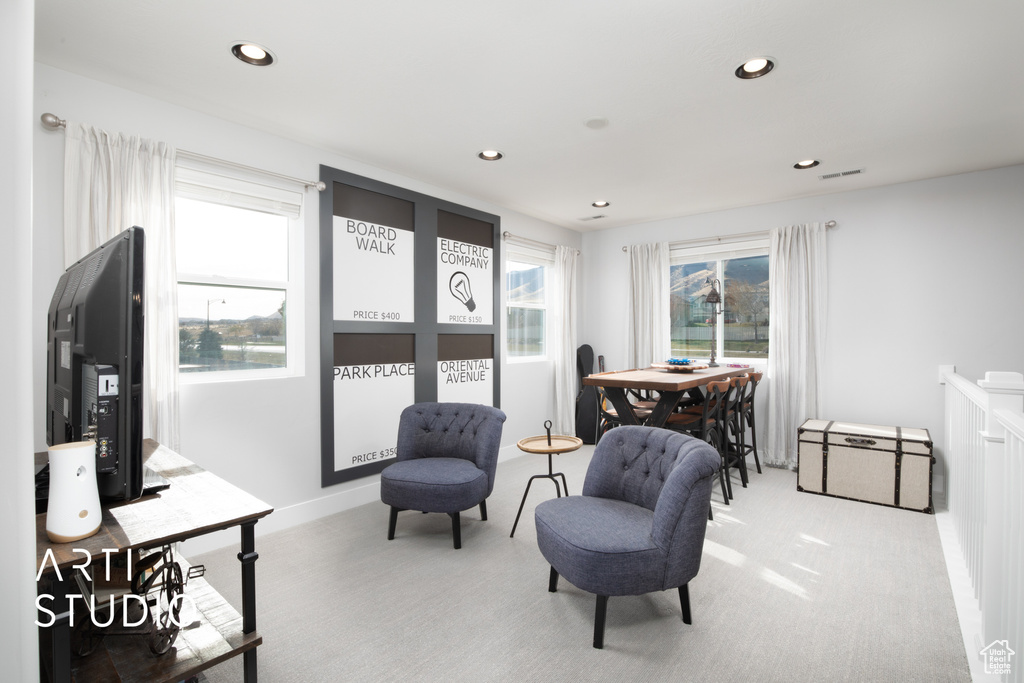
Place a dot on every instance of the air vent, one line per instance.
(840, 174)
(91, 269)
(593, 218)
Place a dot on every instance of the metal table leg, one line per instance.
(248, 557)
(553, 476)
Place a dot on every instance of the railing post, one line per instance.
(1005, 391)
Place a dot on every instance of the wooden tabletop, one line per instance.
(559, 444)
(662, 380)
(196, 503)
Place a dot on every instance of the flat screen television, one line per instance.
(94, 359)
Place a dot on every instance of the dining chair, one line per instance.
(645, 399)
(608, 416)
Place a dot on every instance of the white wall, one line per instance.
(263, 436)
(18, 650)
(920, 274)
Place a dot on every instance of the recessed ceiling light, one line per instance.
(251, 53)
(490, 155)
(806, 163)
(600, 204)
(754, 68)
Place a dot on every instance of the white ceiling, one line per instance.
(906, 89)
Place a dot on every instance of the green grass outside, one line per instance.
(736, 349)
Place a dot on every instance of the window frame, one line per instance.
(535, 257)
(719, 250)
(255, 192)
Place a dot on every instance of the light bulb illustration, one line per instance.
(459, 287)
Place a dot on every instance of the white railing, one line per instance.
(984, 455)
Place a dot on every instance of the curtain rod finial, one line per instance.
(52, 121)
(830, 224)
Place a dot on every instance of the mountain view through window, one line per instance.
(741, 329)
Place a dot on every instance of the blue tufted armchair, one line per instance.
(639, 525)
(447, 457)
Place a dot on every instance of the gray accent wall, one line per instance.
(428, 218)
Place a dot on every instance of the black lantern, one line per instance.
(714, 298)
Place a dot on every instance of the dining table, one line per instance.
(672, 382)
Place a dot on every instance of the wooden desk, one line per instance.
(671, 385)
(197, 503)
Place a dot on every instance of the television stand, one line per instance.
(196, 503)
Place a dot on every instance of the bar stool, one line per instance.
(731, 427)
(706, 425)
(746, 413)
(732, 421)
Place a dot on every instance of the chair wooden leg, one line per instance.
(456, 529)
(599, 616)
(726, 467)
(725, 477)
(553, 581)
(684, 602)
(741, 448)
(753, 440)
(392, 521)
(721, 469)
(737, 458)
(483, 510)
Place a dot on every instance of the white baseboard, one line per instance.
(306, 511)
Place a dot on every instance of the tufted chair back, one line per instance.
(666, 472)
(452, 430)
(632, 464)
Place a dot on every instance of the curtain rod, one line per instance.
(737, 237)
(526, 240)
(53, 122)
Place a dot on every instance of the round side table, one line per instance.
(539, 444)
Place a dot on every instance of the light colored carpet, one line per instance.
(792, 587)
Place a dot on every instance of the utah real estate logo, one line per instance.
(998, 657)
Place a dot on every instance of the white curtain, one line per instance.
(111, 183)
(563, 339)
(649, 319)
(796, 337)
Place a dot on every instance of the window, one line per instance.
(526, 303)
(239, 277)
(740, 331)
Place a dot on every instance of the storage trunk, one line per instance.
(870, 463)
